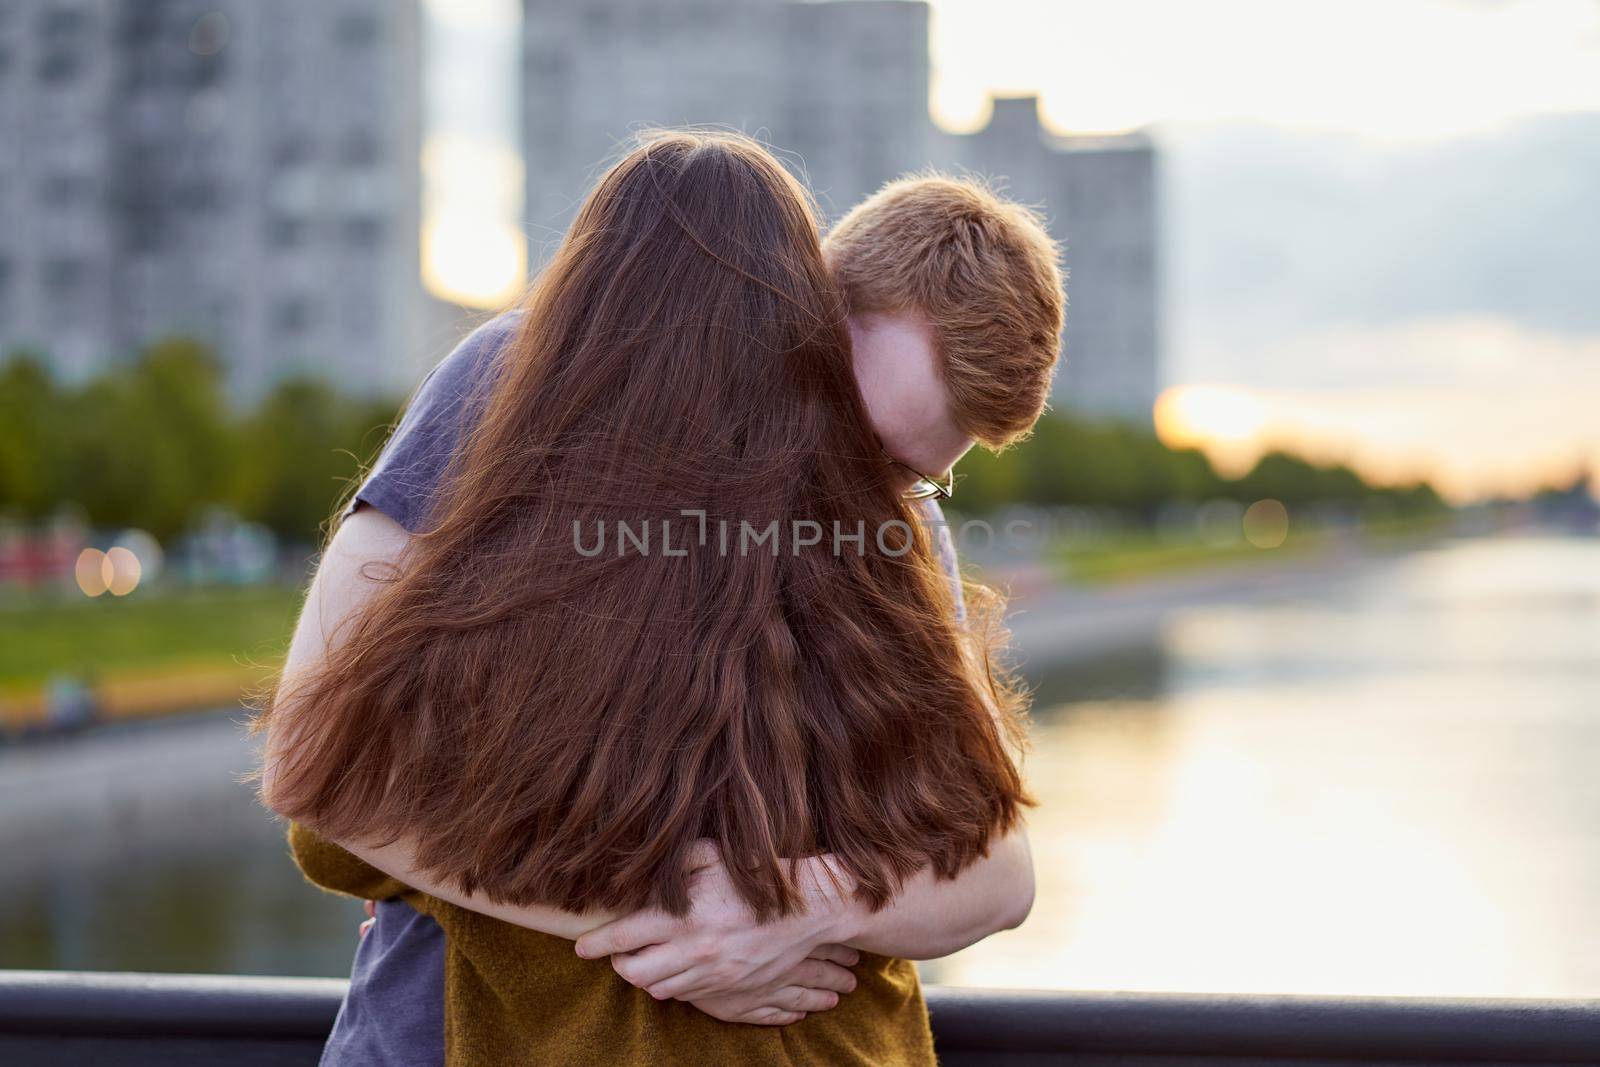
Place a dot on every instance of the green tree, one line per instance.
(1073, 460)
(302, 449)
(1293, 480)
(181, 382)
(149, 444)
(31, 439)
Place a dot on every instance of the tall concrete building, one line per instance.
(247, 172)
(1099, 195)
(241, 172)
(56, 160)
(841, 89)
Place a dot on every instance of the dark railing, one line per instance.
(116, 1020)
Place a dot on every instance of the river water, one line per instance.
(1387, 781)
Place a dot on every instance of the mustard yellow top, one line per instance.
(514, 996)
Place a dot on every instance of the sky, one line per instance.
(1382, 68)
(1379, 216)
(473, 248)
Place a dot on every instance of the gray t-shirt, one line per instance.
(403, 481)
(393, 1012)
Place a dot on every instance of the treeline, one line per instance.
(154, 442)
(1077, 461)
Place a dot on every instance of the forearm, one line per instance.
(397, 860)
(932, 917)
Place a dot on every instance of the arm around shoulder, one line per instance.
(932, 917)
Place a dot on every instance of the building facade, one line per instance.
(248, 172)
(240, 172)
(841, 90)
(1100, 197)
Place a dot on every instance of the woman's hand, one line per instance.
(718, 950)
(816, 984)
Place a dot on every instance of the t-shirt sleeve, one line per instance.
(944, 543)
(405, 479)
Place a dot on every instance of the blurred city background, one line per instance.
(1310, 591)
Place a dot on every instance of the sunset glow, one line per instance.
(1191, 415)
(1102, 67)
(1470, 445)
(473, 261)
(473, 249)
(1476, 403)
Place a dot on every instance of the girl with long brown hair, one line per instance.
(757, 685)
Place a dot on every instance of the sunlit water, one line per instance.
(1389, 785)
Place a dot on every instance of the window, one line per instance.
(205, 71)
(285, 231)
(356, 29)
(292, 315)
(197, 195)
(63, 190)
(362, 231)
(63, 22)
(60, 50)
(360, 149)
(139, 24)
(292, 150)
(63, 278)
(142, 231)
(57, 66)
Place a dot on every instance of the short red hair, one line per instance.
(983, 271)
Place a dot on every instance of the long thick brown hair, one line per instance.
(553, 725)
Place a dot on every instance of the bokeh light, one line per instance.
(209, 34)
(148, 550)
(90, 572)
(1266, 523)
(122, 571)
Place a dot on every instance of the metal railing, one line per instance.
(120, 1020)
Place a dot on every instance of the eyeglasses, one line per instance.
(926, 488)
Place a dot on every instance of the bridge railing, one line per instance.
(133, 1020)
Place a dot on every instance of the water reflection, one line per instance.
(1386, 789)
(229, 909)
(139, 849)
(1138, 671)
(1384, 786)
